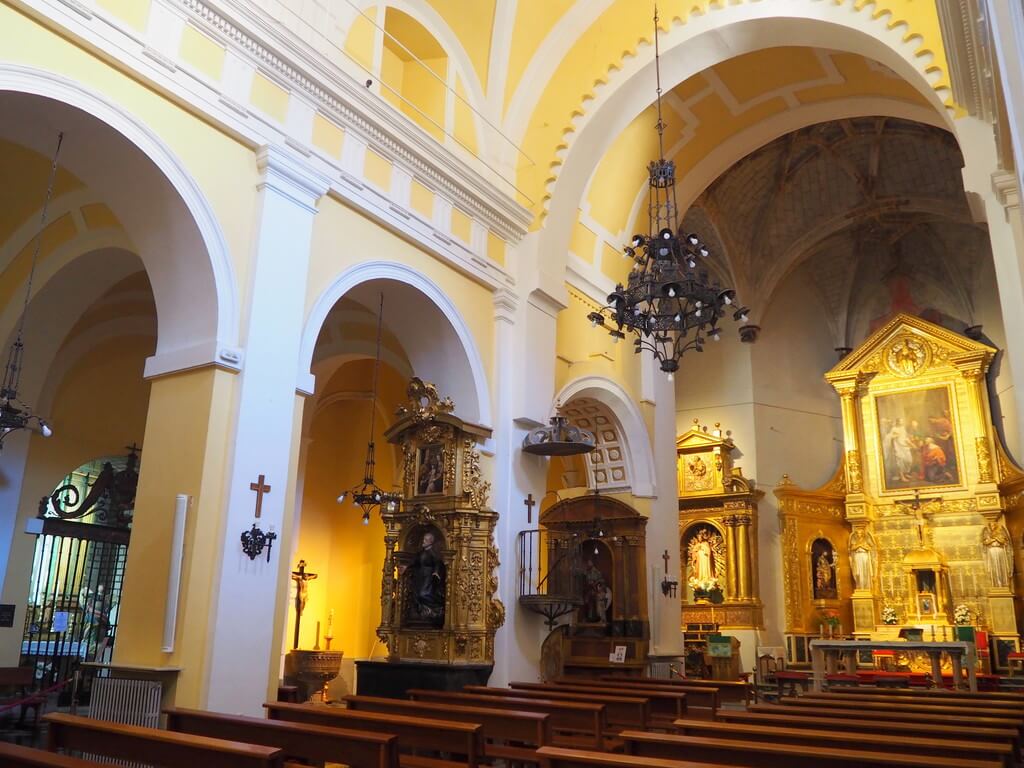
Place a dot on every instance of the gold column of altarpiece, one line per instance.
(925, 508)
(718, 504)
(445, 497)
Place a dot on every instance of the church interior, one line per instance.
(635, 382)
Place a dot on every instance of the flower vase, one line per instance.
(700, 596)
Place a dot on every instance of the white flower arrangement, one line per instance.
(704, 585)
(962, 615)
(889, 615)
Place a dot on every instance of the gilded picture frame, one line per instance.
(430, 474)
(918, 440)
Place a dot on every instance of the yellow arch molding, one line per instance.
(624, 29)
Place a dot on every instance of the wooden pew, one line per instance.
(760, 754)
(961, 721)
(152, 745)
(622, 710)
(665, 704)
(850, 738)
(706, 697)
(16, 756)
(557, 757)
(900, 707)
(720, 690)
(419, 733)
(311, 743)
(1013, 696)
(931, 701)
(587, 721)
(784, 718)
(530, 730)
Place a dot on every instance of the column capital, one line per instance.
(506, 304)
(1004, 184)
(290, 176)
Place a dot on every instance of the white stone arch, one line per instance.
(460, 373)
(634, 439)
(192, 275)
(702, 42)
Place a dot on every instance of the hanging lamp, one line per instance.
(16, 415)
(367, 495)
(669, 294)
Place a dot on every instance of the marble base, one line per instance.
(393, 679)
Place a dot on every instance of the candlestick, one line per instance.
(316, 645)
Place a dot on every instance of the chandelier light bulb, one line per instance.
(743, 317)
(366, 518)
(628, 252)
(341, 497)
(728, 299)
(671, 376)
(716, 336)
(615, 339)
(691, 263)
(677, 317)
(671, 293)
(45, 430)
(665, 234)
(638, 240)
(704, 252)
(693, 240)
(663, 251)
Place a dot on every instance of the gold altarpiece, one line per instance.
(717, 514)
(926, 506)
(445, 498)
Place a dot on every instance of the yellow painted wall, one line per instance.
(359, 43)
(269, 97)
(135, 13)
(98, 409)
(422, 200)
(332, 540)
(327, 136)
(202, 52)
(461, 225)
(377, 170)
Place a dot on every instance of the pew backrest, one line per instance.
(556, 757)
(153, 745)
(298, 741)
(621, 711)
(663, 702)
(16, 756)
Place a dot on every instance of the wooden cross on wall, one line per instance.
(261, 488)
(666, 557)
(530, 503)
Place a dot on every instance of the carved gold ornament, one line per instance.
(853, 473)
(984, 459)
(907, 356)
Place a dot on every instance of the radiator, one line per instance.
(659, 669)
(132, 702)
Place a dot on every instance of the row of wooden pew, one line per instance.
(569, 723)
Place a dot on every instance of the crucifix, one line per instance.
(301, 579)
(530, 503)
(261, 488)
(666, 557)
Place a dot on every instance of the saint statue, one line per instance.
(597, 597)
(862, 557)
(703, 560)
(996, 541)
(823, 574)
(426, 579)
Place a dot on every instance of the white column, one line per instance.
(663, 524)
(242, 658)
(1006, 20)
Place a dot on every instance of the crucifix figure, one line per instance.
(530, 503)
(301, 579)
(261, 488)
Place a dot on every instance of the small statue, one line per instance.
(426, 575)
(996, 541)
(862, 557)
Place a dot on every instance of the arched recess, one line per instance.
(629, 423)
(701, 43)
(435, 337)
(152, 194)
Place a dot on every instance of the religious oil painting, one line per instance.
(915, 431)
(823, 570)
(430, 470)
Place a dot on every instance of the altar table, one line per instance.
(826, 655)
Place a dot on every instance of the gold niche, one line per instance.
(439, 584)
(717, 531)
(926, 504)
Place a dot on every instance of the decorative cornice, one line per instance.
(968, 41)
(1004, 184)
(391, 134)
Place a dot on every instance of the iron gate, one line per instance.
(74, 594)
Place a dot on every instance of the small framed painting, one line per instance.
(430, 470)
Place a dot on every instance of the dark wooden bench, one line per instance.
(920, 698)
(760, 754)
(16, 685)
(15, 756)
(508, 734)
(414, 733)
(152, 745)
(621, 711)
(788, 717)
(297, 741)
(586, 723)
(665, 704)
(934, 693)
(900, 707)
(851, 738)
(557, 757)
(709, 692)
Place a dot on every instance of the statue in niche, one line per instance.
(705, 559)
(425, 577)
(597, 597)
(996, 541)
(823, 567)
(862, 558)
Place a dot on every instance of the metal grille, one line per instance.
(74, 594)
(132, 702)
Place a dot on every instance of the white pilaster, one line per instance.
(1007, 25)
(243, 623)
(236, 83)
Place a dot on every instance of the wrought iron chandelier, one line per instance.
(668, 293)
(15, 414)
(367, 495)
(560, 438)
